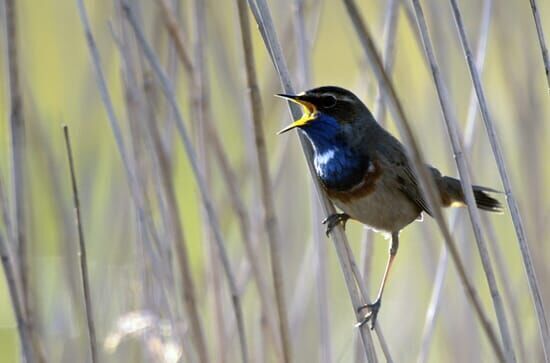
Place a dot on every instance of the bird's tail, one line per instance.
(452, 194)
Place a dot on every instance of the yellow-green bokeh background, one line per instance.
(59, 88)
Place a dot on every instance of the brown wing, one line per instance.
(397, 165)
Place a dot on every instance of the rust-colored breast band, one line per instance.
(366, 187)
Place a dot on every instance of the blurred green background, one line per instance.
(59, 88)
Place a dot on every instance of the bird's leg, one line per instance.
(334, 219)
(375, 306)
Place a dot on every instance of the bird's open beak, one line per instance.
(309, 111)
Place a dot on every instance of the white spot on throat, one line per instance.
(325, 157)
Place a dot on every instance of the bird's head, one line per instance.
(328, 111)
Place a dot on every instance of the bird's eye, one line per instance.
(327, 101)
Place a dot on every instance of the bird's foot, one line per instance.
(372, 314)
(334, 219)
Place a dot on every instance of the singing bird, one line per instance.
(365, 172)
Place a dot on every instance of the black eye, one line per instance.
(327, 101)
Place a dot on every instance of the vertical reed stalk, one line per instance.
(230, 181)
(17, 130)
(543, 49)
(451, 124)
(270, 222)
(435, 299)
(267, 30)
(18, 308)
(512, 203)
(169, 94)
(82, 252)
(303, 49)
(188, 290)
(199, 93)
(417, 161)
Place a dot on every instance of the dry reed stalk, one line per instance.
(544, 51)
(144, 218)
(232, 184)
(130, 170)
(435, 299)
(266, 193)
(188, 289)
(512, 203)
(267, 30)
(451, 124)
(200, 111)
(303, 50)
(17, 134)
(416, 159)
(14, 288)
(82, 252)
(169, 94)
(22, 327)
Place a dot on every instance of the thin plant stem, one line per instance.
(512, 203)
(144, 219)
(451, 124)
(188, 289)
(364, 293)
(270, 217)
(388, 54)
(169, 93)
(82, 252)
(22, 328)
(199, 93)
(263, 18)
(417, 161)
(544, 51)
(435, 299)
(303, 48)
(171, 24)
(129, 167)
(17, 131)
(510, 296)
(251, 250)
(138, 110)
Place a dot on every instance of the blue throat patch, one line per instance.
(336, 164)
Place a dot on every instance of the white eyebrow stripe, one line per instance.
(343, 98)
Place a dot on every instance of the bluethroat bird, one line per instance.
(365, 172)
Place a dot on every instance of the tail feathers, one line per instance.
(485, 202)
(451, 194)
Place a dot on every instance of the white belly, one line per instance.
(384, 210)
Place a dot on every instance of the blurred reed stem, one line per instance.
(139, 101)
(19, 183)
(266, 193)
(188, 289)
(11, 280)
(171, 24)
(263, 18)
(82, 252)
(435, 299)
(144, 217)
(303, 50)
(231, 182)
(17, 133)
(451, 124)
(200, 111)
(545, 58)
(512, 203)
(417, 161)
(207, 203)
